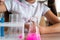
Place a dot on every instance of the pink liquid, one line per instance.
(33, 36)
(20, 36)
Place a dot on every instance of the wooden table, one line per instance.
(55, 36)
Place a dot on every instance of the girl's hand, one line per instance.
(31, 28)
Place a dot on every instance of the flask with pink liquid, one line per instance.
(33, 33)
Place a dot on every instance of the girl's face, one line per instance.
(30, 1)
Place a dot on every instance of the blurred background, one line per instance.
(54, 5)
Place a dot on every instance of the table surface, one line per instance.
(55, 36)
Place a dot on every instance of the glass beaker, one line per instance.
(16, 31)
(33, 33)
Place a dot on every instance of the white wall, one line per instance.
(58, 5)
